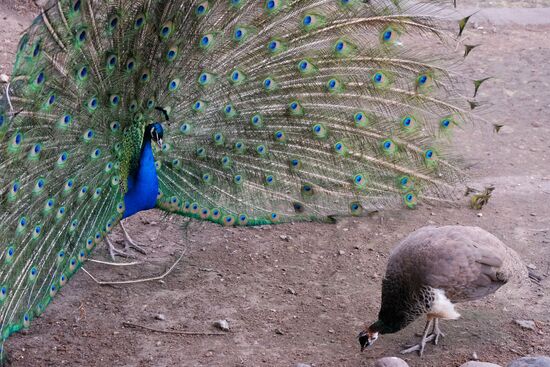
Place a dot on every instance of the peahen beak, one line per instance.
(363, 340)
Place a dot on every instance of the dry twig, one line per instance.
(129, 324)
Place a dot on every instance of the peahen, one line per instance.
(434, 268)
(238, 112)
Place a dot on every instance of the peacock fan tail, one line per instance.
(273, 111)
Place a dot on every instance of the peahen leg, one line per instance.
(425, 338)
(437, 332)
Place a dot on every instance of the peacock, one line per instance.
(237, 112)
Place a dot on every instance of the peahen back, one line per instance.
(273, 111)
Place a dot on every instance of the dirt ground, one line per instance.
(301, 292)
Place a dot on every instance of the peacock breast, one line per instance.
(142, 184)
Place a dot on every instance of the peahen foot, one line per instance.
(433, 336)
(129, 243)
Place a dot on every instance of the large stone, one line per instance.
(390, 362)
(479, 364)
(540, 361)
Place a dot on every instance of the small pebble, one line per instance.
(480, 215)
(279, 332)
(526, 324)
(341, 252)
(160, 317)
(291, 291)
(390, 362)
(4, 78)
(222, 325)
(479, 364)
(159, 343)
(302, 365)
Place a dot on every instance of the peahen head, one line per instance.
(368, 336)
(154, 132)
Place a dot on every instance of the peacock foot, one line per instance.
(114, 252)
(130, 243)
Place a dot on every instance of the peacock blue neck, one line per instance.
(143, 183)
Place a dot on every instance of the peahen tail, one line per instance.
(274, 111)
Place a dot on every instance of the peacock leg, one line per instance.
(129, 243)
(425, 338)
(113, 251)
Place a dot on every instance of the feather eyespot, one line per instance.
(273, 6)
(174, 84)
(261, 150)
(389, 36)
(139, 22)
(256, 121)
(202, 8)
(172, 53)
(166, 30)
(185, 128)
(112, 23)
(355, 208)
(3, 293)
(410, 200)
(237, 77)
(81, 36)
(275, 46)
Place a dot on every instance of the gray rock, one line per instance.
(222, 325)
(302, 365)
(479, 364)
(540, 361)
(526, 324)
(390, 362)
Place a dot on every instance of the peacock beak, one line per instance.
(159, 143)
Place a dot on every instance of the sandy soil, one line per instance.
(300, 293)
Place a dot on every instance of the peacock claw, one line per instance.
(114, 252)
(129, 243)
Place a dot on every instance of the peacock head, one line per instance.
(368, 336)
(155, 132)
